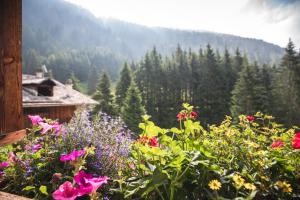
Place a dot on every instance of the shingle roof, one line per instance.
(63, 95)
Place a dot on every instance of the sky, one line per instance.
(273, 21)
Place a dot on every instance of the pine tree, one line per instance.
(250, 93)
(210, 89)
(242, 100)
(104, 96)
(133, 109)
(287, 87)
(122, 86)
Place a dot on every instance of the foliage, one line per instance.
(46, 161)
(122, 86)
(132, 108)
(254, 159)
(109, 136)
(104, 96)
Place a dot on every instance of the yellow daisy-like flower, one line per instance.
(238, 180)
(286, 187)
(249, 186)
(214, 185)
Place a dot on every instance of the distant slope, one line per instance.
(55, 25)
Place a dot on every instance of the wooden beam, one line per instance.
(10, 66)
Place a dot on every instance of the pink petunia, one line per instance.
(56, 126)
(81, 178)
(66, 191)
(12, 157)
(3, 165)
(88, 184)
(45, 127)
(36, 147)
(35, 119)
(72, 156)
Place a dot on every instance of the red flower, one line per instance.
(277, 144)
(193, 115)
(181, 116)
(143, 140)
(250, 118)
(296, 141)
(153, 142)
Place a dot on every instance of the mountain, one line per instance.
(55, 26)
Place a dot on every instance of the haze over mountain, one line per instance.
(55, 26)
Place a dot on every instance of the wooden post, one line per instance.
(10, 66)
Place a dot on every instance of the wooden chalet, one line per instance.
(51, 99)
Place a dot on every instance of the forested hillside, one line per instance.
(217, 85)
(70, 39)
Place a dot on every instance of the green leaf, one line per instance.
(176, 130)
(43, 190)
(28, 188)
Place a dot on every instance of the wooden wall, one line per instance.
(11, 117)
(61, 113)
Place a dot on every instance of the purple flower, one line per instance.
(72, 156)
(35, 119)
(36, 147)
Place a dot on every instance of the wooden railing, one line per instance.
(12, 137)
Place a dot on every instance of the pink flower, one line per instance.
(3, 165)
(181, 116)
(277, 144)
(81, 178)
(56, 126)
(153, 142)
(72, 156)
(36, 147)
(12, 157)
(45, 127)
(88, 184)
(35, 119)
(66, 191)
(296, 141)
(193, 115)
(27, 147)
(98, 182)
(250, 118)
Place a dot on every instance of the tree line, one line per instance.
(217, 85)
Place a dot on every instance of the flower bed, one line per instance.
(254, 158)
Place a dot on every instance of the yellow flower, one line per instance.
(249, 186)
(238, 180)
(214, 185)
(286, 187)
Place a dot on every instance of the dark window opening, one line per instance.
(45, 91)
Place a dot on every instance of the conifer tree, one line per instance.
(122, 86)
(132, 109)
(104, 96)
(250, 93)
(243, 94)
(287, 87)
